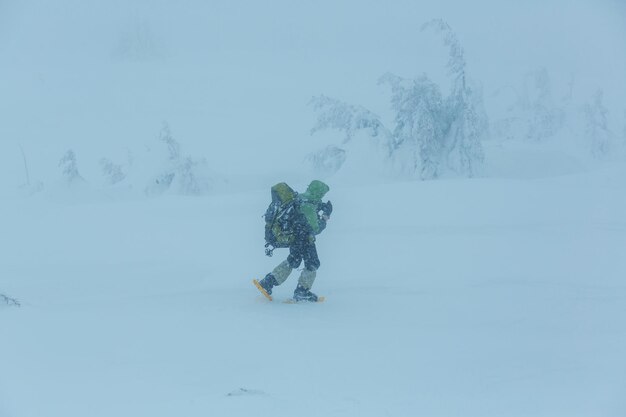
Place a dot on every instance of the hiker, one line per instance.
(308, 218)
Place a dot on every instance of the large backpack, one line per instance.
(280, 218)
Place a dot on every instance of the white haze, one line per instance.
(499, 295)
(233, 79)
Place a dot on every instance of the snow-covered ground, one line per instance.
(475, 297)
(501, 295)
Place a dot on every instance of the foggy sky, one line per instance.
(233, 77)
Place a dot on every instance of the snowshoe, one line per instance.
(304, 294)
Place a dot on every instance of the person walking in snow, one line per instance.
(311, 216)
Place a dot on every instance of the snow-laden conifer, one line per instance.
(327, 161)
(432, 135)
(597, 132)
(182, 174)
(112, 172)
(69, 168)
(347, 118)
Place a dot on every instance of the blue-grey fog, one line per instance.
(471, 260)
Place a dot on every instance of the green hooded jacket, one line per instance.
(310, 205)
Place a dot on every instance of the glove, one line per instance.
(327, 208)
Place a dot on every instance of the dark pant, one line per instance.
(305, 250)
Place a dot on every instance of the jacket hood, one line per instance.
(316, 190)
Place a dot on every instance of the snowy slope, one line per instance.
(497, 296)
(448, 298)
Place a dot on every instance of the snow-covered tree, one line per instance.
(328, 160)
(468, 127)
(173, 147)
(138, 43)
(545, 118)
(112, 172)
(456, 56)
(347, 118)
(182, 174)
(465, 119)
(433, 134)
(69, 167)
(597, 131)
(418, 137)
(437, 134)
(533, 114)
(192, 177)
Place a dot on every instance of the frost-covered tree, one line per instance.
(456, 56)
(350, 120)
(545, 118)
(328, 160)
(182, 174)
(433, 134)
(597, 131)
(113, 173)
(191, 175)
(69, 167)
(468, 127)
(418, 137)
(533, 114)
(437, 134)
(173, 147)
(138, 43)
(464, 116)
(347, 118)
